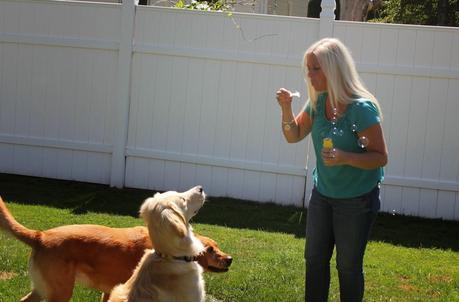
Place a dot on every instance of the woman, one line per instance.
(345, 198)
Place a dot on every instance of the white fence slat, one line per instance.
(267, 190)
(449, 165)
(171, 175)
(193, 107)
(203, 176)
(410, 201)
(398, 126)
(416, 127)
(454, 62)
(456, 208)
(423, 51)
(446, 204)
(225, 109)
(209, 106)
(121, 104)
(442, 49)
(406, 47)
(251, 185)
(235, 180)
(220, 181)
(370, 46)
(392, 202)
(387, 51)
(10, 79)
(435, 126)
(428, 203)
(187, 176)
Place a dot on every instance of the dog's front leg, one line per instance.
(104, 297)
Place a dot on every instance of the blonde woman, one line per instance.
(349, 168)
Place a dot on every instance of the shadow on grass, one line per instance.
(233, 213)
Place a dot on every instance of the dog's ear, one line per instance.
(174, 220)
(148, 206)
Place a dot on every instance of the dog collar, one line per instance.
(182, 258)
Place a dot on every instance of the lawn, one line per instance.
(407, 259)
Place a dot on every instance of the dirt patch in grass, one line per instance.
(405, 284)
(7, 275)
(440, 279)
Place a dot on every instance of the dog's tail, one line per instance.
(10, 225)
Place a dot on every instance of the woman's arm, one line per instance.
(375, 157)
(294, 128)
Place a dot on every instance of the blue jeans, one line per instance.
(346, 224)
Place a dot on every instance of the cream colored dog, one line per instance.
(169, 273)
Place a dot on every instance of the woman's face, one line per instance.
(315, 73)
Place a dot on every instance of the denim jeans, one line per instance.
(346, 224)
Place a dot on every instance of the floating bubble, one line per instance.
(363, 142)
(354, 128)
(296, 94)
(394, 212)
(340, 132)
(334, 120)
(335, 131)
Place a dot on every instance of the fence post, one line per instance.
(121, 105)
(327, 17)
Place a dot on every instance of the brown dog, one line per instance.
(96, 256)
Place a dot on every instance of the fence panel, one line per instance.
(197, 100)
(415, 83)
(58, 68)
(208, 81)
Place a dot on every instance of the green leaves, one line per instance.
(211, 5)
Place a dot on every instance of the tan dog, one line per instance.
(169, 273)
(97, 256)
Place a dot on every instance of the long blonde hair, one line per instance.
(338, 66)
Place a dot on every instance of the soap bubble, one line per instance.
(295, 94)
(334, 120)
(354, 128)
(363, 142)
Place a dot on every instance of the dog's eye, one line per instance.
(210, 249)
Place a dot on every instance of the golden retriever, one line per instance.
(169, 273)
(96, 256)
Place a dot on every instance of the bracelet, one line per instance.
(288, 125)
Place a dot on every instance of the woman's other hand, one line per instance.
(284, 97)
(333, 157)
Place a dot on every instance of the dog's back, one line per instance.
(90, 254)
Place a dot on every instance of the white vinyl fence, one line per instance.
(161, 98)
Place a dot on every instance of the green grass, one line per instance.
(407, 259)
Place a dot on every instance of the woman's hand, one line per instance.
(333, 157)
(284, 97)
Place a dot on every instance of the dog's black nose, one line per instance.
(200, 189)
(229, 260)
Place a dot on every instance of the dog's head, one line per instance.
(167, 216)
(213, 259)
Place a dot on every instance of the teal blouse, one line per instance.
(343, 181)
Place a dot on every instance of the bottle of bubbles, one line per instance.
(363, 142)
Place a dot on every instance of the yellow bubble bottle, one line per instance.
(327, 143)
